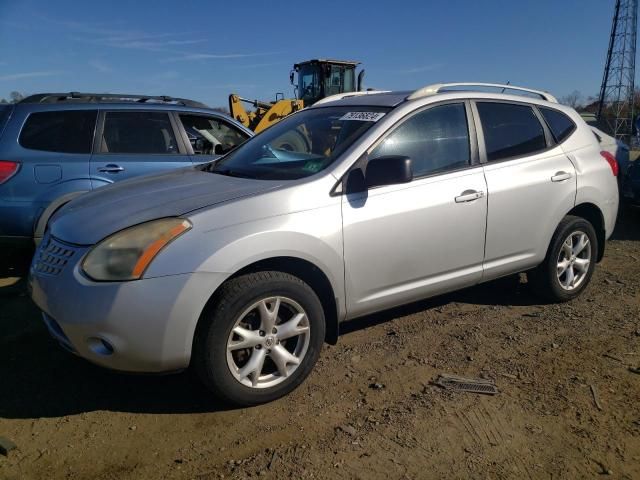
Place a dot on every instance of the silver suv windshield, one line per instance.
(300, 145)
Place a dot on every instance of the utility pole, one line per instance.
(615, 108)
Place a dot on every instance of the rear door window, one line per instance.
(510, 130)
(138, 133)
(561, 126)
(64, 131)
(211, 135)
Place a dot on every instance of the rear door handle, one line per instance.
(561, 177)
(111, 168)
(469, 196)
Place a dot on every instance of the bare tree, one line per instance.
(16, 97)
(574, 99)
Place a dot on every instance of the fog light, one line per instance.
(100, 346)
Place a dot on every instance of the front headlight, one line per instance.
(127, 254)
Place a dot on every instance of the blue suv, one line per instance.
(56, 146)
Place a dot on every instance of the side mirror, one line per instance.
(388, 170)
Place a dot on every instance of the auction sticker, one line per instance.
(363, 116)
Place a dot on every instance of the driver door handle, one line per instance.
(111, 168)
(561, 176)
(469, 196)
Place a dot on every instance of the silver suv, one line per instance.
(243, 267)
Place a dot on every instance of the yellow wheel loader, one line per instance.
(317, 79)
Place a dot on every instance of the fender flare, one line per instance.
(41, 224)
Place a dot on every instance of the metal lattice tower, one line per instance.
(615, 108)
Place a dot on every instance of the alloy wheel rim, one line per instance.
(268, 342)
(574, 260)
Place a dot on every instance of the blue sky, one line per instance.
(206, 49)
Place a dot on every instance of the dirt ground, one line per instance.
(368, 411)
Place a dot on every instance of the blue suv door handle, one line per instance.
(111, 168)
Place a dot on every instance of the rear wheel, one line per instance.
(261, 339)
(570, 261)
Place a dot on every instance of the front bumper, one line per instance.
(148, 323)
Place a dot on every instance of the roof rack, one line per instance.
(340, 96)
(106, 98)
(439, 87)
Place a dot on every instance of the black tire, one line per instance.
(544, 279)
(235, 297)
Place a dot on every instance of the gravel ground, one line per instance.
(567, 407)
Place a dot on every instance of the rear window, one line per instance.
(510, 130)
(561, 126)
(59, 131)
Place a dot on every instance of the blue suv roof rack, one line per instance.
(78, 97)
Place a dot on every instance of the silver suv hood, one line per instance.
(93, 216)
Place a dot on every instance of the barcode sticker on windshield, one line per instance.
(363, 116)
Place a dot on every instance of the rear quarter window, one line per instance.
(560, 125)
(63, 131)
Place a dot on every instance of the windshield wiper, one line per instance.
(230, 173)
(225, 171)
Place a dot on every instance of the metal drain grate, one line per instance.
(462, 384)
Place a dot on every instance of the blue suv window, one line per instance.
(211, 135)
(64, 131)
(138, 132)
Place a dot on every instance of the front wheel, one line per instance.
(570, 261)
(261, 338)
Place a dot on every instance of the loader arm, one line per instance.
(238, 111)
(265, 114)
(277, 112)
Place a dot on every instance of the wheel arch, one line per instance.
(53, 207)
(593, 215)
(308, 272)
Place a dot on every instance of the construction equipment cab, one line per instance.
(317, 79)
(321, 78)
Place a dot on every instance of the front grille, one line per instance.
(52, 256)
